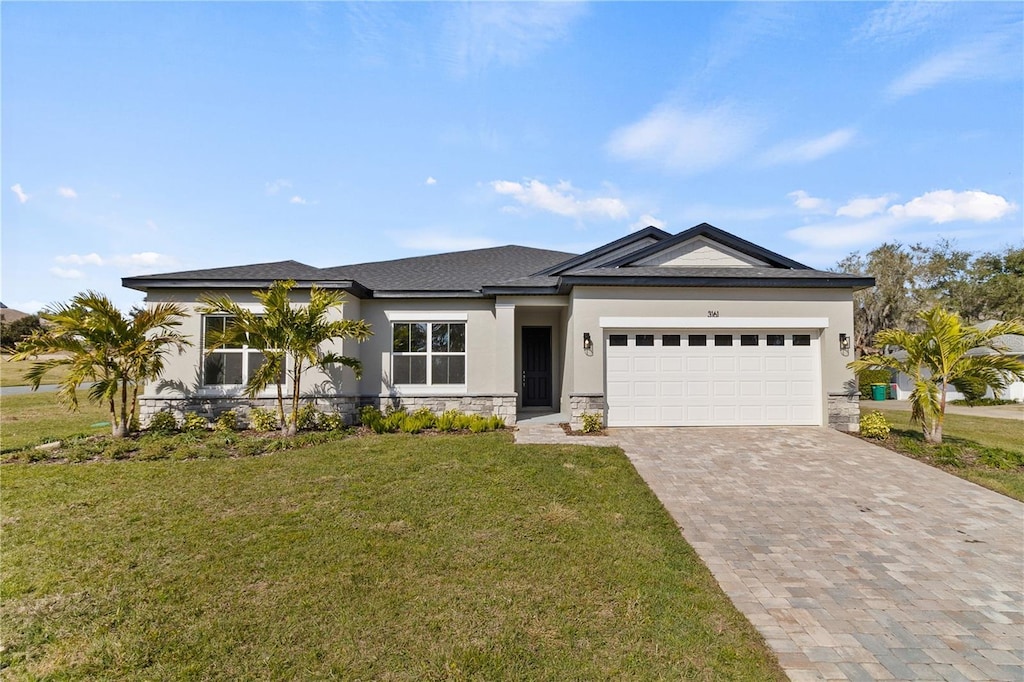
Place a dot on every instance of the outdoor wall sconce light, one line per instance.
(587, 343)
(844, 341)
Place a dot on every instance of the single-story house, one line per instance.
(699, 328)
(1013, 345)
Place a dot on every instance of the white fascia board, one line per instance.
(713, 322)
(426, 316)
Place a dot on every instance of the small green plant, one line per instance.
(120, 449)
(163, 422)
(1001, 459)
(593, 422)
(134, 426)
(227, 421)
(446, 420)
(331, 421)
(262, 419)
(307, 418)
(195, 422)
(478, 424)
(425, 417)
(370, 415)
(948, 455)
(495, 423)
(875, 425)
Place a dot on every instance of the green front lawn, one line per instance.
(13, 373)
(985, 450)
(380, 557)
(34, 418)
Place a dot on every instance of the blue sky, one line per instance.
(141, 138)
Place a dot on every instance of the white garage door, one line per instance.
(712, 377)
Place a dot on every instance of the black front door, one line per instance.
(536, 367)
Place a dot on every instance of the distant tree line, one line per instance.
(911, 279)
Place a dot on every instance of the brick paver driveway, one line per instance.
(854, 562)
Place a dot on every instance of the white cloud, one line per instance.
(805, 202)
(864, 206)
(76, 259)
(143, 259)
(479, 34)
(440, 243)
(803, 151)
(67, 192)
(19, 192)
(864, 222)
(430, 180)
(901, 20)
(689, 142)
(987, 58)
(647, 220)
(835, 234)
(275, 186)
(562, 199)
(66, 273)
(945, 205)
(297, 200)
(31, 306)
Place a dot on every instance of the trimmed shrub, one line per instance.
(592, 422)
(871, 376)
(262, 419)
(227, 421)
(875, 425)
(163, 422)
(195, 422)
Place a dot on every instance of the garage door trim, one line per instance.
(713, 322)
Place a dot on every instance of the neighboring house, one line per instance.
(10, 314)
(1014, 344)
(700, 328)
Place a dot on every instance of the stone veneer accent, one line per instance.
(844, 412)
(585, 402)
(212, 407)
(502, 404)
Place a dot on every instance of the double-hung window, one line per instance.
(428, 353)
(229, 365)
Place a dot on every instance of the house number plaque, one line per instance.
(712, 313)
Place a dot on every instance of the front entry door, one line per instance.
(536, 367)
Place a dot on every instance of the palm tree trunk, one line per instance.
(113, 417)
(293, 423)
(121, 428)
(280, 407)
(135, 404)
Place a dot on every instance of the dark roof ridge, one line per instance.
(646, 232)
(716, 234)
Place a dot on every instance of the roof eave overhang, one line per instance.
(145, 285)
(520, 291)
(569, 281)
(427, 293)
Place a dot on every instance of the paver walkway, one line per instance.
(854, 562)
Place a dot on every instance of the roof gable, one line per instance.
(700, 252)
(648, 237)
(708, 242)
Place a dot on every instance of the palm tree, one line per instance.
(939, 357)
(99, 344)
(286, 334)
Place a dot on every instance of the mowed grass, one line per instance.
(968, 442)
(13, 373)
(382, 557)
(34, 418)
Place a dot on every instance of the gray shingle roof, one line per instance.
(513, 268)
(458, 271)
(284, 269)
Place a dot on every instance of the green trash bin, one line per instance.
(879, 391)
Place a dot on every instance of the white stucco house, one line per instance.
(653, 329)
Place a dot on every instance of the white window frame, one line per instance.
(429, 320)
(245, 351)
